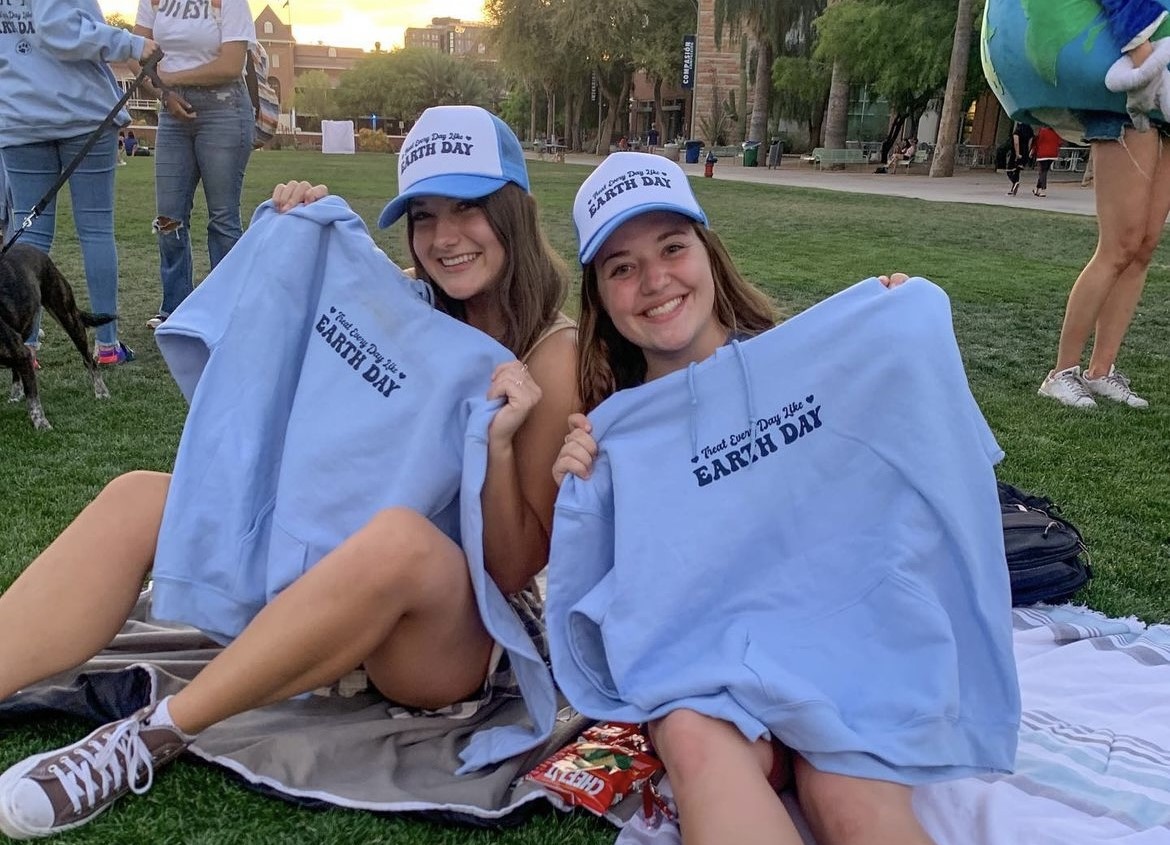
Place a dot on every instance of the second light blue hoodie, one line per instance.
(54, 81)
(324, 388)
(800, 535)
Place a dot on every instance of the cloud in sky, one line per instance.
(348, 23)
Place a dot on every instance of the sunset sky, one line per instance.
(347, 23)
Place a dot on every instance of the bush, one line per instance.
(372, 141)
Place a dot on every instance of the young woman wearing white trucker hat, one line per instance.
(659, 293)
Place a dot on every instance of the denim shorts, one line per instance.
(1110, 126)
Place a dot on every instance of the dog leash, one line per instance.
(150, 69)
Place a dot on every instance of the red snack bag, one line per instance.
(605, 763)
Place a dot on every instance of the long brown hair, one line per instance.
(607, 362)
(534, 280)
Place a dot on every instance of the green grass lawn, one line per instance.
(1007, 272)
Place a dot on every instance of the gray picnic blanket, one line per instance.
(320, 749)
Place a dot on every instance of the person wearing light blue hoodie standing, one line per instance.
(394, 595)
(734, 548)
(56, 91)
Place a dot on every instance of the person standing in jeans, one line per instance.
(1047, 147)
(205, 131)
(56, 91)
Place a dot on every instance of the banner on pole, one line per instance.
(688, 63)
(593, 86)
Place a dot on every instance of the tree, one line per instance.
(802, 91)
(901, 48)
(402, 83)
(659, 51)
(313, 94)
(954, 101)
(768, 23)
(837, 110)
(119, 21)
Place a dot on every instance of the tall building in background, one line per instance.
(453, 36)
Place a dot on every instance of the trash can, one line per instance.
(693, 148)
(669, 151)
(751, 153)
(775, 151)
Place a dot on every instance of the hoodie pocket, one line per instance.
(253, 556)
(586, 642)
(888, 659)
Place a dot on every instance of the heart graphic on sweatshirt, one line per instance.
(332, 309)
(809, 399)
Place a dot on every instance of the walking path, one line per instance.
(984, 187)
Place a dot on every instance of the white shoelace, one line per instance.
(1119, 381)
(1073, 382)
(102, 758)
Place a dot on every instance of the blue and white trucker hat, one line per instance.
(624, 186)
(462, 152)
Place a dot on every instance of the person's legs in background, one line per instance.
(32, 169)
(176, 174)
(1117, 312)
(223, 145)
(1125, 195)
(91, 189)
(1042, 167)
(1013, 172)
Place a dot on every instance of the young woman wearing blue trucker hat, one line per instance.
(396, 597)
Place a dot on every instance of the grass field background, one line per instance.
(1007, 271)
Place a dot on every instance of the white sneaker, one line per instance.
(155, 321)
(1068, 388)
(1113, 385)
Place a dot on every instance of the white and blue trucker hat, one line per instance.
(624, 186)
(462, 152)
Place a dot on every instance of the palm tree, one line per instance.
(837, 114)
(769, 23)
(952, 112)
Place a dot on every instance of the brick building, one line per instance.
(453, 36)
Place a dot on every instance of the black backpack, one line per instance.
(1046, 557)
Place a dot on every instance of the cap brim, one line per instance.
(453, 185)
(590, 249)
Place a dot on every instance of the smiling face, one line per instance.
(456, 246)
(655, 282)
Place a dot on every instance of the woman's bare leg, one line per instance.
(1125, 188)
(71, 601)
(720, 784)
(845, 810)
(396, 596)
(1117, 312)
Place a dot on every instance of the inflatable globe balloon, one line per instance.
(1047, 59)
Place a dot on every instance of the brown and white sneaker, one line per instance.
(63, 789)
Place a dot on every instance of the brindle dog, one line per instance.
(29, 280)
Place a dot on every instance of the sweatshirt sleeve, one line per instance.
(73, 34)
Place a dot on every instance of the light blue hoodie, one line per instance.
(324, 388)
(54, 82)
(800, 535)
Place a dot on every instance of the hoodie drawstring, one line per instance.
(749, 394)
(694, 413)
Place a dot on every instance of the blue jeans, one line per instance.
(214, 148)
(32, 169)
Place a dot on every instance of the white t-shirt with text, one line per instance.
(190, 32)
